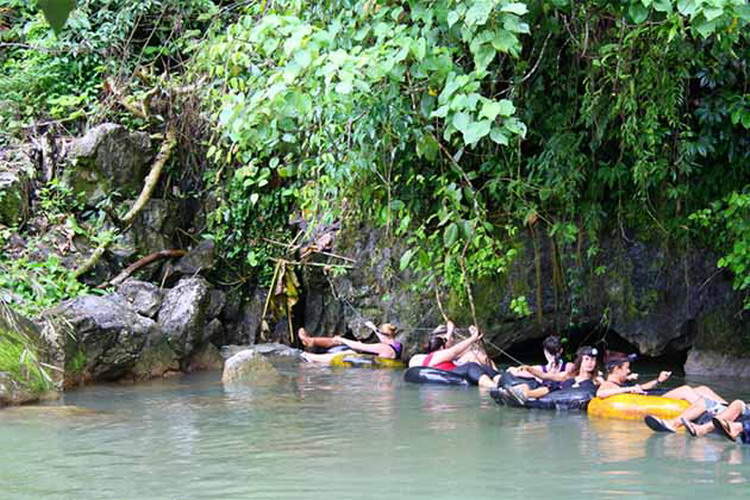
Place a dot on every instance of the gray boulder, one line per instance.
(249, 367)
(144, 298)
(108, 158)
(250, 320)
(207, 357)
(184, 315)
(199, 259)
(107, 337)
(216, 303)
(270, 349)
(716, 364)
(19, 386)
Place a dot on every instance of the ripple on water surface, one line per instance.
(322, 433)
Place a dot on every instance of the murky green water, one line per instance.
(344, 434)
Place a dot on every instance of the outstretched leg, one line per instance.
(684, 392)
(310, 342)
(730, 414)
(694, 411)
(707, 392)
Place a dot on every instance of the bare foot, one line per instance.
(304, 337)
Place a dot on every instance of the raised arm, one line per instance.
(382, 338)
(663, 376)
(455, 351)
(381, 350)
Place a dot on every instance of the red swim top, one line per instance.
(445, 365)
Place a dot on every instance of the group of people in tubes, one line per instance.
(467, 357)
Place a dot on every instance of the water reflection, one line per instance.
(346, 429)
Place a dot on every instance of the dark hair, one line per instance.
(585, 351)
(552, 345)
(613, 359)
(434, 343)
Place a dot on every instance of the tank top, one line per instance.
(445, 365)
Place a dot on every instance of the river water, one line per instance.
(325, 433)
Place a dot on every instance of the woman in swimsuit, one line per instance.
(619, 374)
(387, 347)
(582, 374)
(553, 351)
(444, 355)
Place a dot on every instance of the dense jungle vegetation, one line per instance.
(455, 125)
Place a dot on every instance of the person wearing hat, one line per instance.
(386, 347)
(582, 375)
(619, 376)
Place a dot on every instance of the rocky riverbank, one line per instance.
(170, 316)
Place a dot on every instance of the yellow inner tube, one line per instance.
(636, 406)
(365, 361)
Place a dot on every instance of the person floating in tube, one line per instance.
(386, 347)
(443, 354)
(553, 352)
(619, 381)
(475, 354)
(583, 374)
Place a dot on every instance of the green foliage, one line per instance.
(454, 125)
(38, 285)
(729, 220)
(520, 306)
(360, 102)
(59, 78)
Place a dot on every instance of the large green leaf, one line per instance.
(56, 12)
(476, 130)
(450, 235)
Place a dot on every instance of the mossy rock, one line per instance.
(108, 158)
(156, 361)
(14, 194)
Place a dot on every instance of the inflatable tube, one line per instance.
(636, 406)
(509, 380)
(365, 361)
(428, 375)
(564, 399)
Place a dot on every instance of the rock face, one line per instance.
(144, 298)
(108, 337)
(248, 366)
(108, 158)
(152, 231)
(141, 332)
(716, 364)
(652, 296)
(12, 392)
(199, 259)
(184, 315)
(15, 187)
